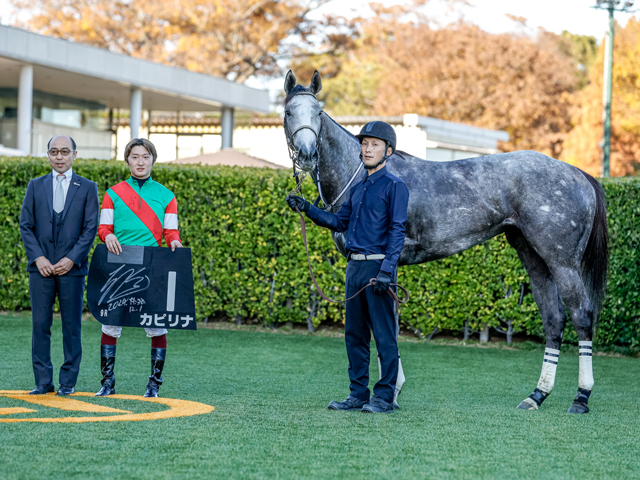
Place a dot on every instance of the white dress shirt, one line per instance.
(65, 181)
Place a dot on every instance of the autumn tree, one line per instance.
(403, 64)
(581, 147)
(231, 38)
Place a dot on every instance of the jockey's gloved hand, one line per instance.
(299, 202)
(383, 281)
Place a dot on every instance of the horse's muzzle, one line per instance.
(307, 158)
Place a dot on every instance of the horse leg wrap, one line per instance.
(546, 382)
(585, 379)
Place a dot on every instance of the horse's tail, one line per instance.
(595, 260)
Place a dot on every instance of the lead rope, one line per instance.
(372, 282)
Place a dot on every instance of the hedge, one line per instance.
(249, 263)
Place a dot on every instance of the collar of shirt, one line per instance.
(68, 174)
(375, 176)
(134, 182)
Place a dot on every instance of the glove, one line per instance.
(383, 280)
(299, 202)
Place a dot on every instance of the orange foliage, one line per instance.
(230, 38)
(581, 147)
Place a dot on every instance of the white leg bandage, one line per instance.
(401, 379)
(585, 378)
(549, 367)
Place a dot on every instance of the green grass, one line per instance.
(458, 417)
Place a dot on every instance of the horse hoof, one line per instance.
(528, 404)
(578, 407)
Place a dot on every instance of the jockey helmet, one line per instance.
(380, 130)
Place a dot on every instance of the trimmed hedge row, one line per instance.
(249, 261)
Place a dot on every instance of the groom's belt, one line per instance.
(361, 257)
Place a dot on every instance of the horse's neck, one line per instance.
(339, 158)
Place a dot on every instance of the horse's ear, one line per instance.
(289, 82)
(316, 83)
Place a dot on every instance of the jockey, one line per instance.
(138, 211)
(374, 218)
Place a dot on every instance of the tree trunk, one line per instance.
(484, 333)
(466, 331)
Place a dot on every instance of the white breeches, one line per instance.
(115, 331)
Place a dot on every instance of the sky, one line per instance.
(575, 16)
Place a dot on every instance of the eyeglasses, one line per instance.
(65, 152)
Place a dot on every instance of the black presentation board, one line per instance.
(142, 287)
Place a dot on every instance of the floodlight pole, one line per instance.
(609, 5)
(606, 100)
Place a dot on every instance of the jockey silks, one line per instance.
(139, 215)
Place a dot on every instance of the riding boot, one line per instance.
(107, 362)
(157, 364)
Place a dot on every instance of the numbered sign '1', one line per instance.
(142, 287)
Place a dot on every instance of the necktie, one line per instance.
(58, 195)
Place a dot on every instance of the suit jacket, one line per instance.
(78, 227)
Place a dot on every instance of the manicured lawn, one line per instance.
(458, 417)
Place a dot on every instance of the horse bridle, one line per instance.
(301, 175)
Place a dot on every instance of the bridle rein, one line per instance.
(301, 175)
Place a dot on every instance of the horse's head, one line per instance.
(302, 120)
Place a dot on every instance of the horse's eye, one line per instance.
(320, 113)
(287, 113)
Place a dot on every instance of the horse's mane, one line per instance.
(344, 129)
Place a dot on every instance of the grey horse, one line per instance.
(552, 213)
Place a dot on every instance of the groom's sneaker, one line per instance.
(351, 403)
(377, 405)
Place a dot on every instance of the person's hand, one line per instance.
(383, 281)
(44, 266)
(113, 245)
(63, 266)
(175, 244)
(299, 203)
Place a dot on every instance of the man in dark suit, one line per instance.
(58, 223)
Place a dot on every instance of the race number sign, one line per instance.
(142, 287)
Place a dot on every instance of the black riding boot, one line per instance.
(107, 362)
(157, 364)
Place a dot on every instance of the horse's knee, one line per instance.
(583, 322)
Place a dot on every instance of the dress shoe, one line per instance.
(351, 403)
(42, 389)
(65, 390)
(377, 405)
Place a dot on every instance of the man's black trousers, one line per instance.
(70, 292)
(368, 312)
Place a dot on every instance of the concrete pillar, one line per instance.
(227, 123)
(25, 109)
(149, 124)
(135, 112)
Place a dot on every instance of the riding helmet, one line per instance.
(380, 130)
